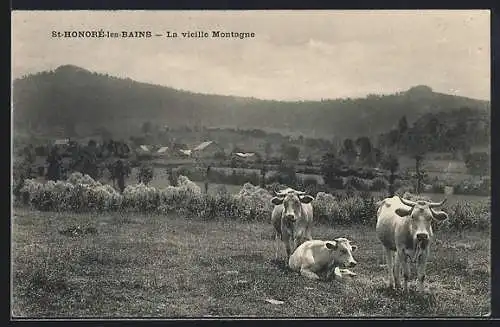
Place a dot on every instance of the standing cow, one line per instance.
(292, 218)
(404, 228)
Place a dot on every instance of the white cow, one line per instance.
(292, 218)
(404, 228)
(317, 256)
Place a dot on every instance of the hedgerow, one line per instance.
(81, 193)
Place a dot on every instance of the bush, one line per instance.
(82, 193)
(356, 183)
(379, 184)
(438, 186)
(469, 215)
(145, 174)
(307, 182)
(474, 186)
(193, 173)
(78, 193)
(356, 209)
(233, 176)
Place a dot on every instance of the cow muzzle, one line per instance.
(422, 240)
(422, 237)
(290, 218)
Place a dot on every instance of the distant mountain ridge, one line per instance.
(72, 97)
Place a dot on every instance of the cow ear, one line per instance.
(331, 245)
(402, 212)
(439, 215)
(306, 199)
(276, 200)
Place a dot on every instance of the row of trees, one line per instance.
(454, 132)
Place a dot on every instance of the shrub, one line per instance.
(474, 186)
(78, 193)
(438, 186)
(469, 215)
(356, 183)
(193, 173)
(145, 174)
(82, 193)
(379, 184)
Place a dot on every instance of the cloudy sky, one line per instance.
(294, 54)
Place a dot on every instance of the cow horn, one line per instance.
(407, 202)
(437, 204)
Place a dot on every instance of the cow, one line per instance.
(292, 218)
(317, 256)
(405, 231)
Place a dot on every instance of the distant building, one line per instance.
(61, 142)
(185, 152)
(162, 150)
(207, 149)
(244, 154)
(144, 148)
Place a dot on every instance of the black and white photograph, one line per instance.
(229, 164)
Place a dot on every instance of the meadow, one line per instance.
(139, 265)
(177, 252)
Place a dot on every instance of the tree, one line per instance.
(90, 163)
(402, 125)
(349, 152)
(268, 149)
(377, 156)
(120, 170)
(54, 161)
(147, 127)
(287, 174)
(291, 152)
(478, 163)
(366, 150)
(418, 172)
(390, 162)
(145, 174)
(330, 169)
(418, 147)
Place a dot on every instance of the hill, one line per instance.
(71, 100)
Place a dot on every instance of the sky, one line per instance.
(295, 55)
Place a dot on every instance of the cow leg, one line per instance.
(277, 241)
(288, 240)
(403, 259)
(389, 254)
(382, 259)
(308, 273)
(397, 270)
(421, 265)
(290, 247)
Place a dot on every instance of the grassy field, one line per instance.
(167, 266)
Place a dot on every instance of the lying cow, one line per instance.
(404, 228)
(292, 218)
(316, 256)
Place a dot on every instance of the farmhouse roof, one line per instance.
(61, 142)
(244, 154)
(144, 148)
(186, 152)
(163, 149)
(202, 145)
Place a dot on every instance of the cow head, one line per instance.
(341, 251)
(292, 202)
(421, 214)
